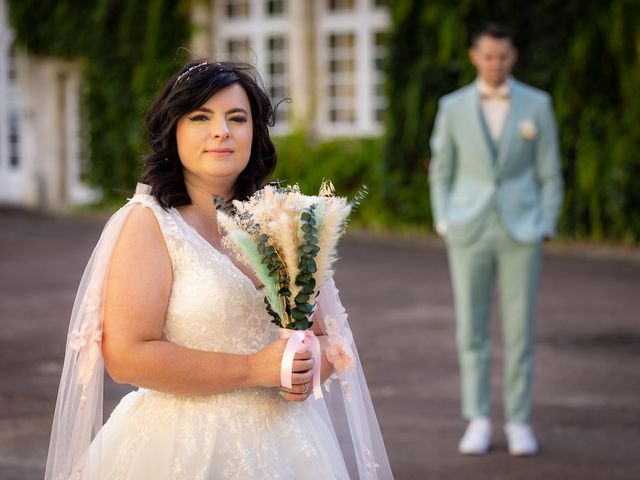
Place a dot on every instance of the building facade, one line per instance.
(324, 55)
(40, 141)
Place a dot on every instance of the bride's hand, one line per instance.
(301, 379)
(264, 366)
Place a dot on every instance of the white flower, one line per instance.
(86, 335)
(327, 189)
(331, 326)
(528, 129)
(92, 298)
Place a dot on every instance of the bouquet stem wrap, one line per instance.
(300, 341)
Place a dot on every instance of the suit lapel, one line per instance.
(510, 129)
(479, 133)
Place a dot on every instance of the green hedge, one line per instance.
(348, 163)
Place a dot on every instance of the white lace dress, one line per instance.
(242, 434)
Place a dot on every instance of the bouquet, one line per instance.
(289, 240)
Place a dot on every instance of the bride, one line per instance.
(165, 307)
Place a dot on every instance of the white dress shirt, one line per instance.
(494, 103)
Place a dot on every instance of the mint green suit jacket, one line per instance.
(470, 174)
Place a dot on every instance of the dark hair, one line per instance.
(493, 30)
(187, 90)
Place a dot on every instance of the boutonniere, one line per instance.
(528, 129)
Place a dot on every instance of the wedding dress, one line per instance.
(250, 433)
(242, 434)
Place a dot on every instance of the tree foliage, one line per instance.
(586, 53)
(127, 49)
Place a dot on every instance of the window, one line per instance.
(379, 55)
(277, 74)
(239, 49)
(12, 73)
(236, 8)
(13, 124)
(276, 7)
(14, 139)
(336, 5)
(341, 72)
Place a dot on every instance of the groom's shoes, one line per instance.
(521, 440)
(477, 437)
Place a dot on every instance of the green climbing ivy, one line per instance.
(127, 50)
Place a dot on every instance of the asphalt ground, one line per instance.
(586, 408)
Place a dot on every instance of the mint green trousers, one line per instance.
(494, 258)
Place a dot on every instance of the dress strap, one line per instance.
(166, 219)
(143, 188)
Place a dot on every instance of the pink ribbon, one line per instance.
(300, 341)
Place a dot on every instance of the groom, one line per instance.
(496, 190)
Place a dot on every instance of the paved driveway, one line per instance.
(397, 292)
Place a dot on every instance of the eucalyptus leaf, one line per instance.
(307, 248)
(302, 298)
(303, 278)
(303, 324)
(310, 239)
(305, 307)
(298, 314)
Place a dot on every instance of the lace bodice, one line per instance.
(213, 305)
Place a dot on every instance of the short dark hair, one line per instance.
(493, 30)
(187, 90)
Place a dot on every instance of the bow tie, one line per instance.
(500, 93)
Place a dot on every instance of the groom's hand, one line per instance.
(441, 228)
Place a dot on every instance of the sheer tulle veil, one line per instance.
(79, 408)
(349, 406)
(78, 417)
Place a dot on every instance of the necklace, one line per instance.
(204, 214)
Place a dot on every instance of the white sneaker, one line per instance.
(477, 437)
(521, 440)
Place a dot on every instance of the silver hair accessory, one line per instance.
(189, 70)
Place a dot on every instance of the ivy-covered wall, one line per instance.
(128, 49)
(586, 53)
